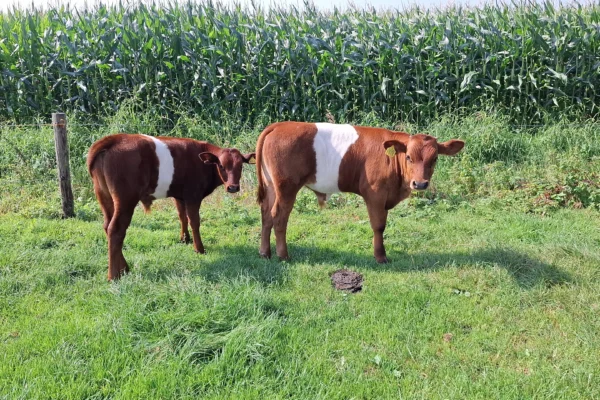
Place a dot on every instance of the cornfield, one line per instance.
(530, 62)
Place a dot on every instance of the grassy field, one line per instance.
(476, 303)
(492, 292)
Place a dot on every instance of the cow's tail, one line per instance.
(97, 149)
(95, 165)
(259, 148)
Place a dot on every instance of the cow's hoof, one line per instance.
(284, 258)
(118, 275)
(382, 260)
(264, 255)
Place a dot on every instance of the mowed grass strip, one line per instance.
(476, 303)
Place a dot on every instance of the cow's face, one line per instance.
(229, 165)
(420, 155)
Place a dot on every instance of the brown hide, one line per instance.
(366, 170)
(382, 166)
(124, 170)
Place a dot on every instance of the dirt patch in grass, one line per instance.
(344, 279)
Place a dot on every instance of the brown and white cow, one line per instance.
(380, 165)
(127, 169)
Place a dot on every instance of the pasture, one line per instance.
(492, 290)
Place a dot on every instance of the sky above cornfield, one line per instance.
(322, 4)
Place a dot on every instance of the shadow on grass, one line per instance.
(232, 262)
(243, 261)
(525, 270)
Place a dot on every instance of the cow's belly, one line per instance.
(330, 145)
(326, 189)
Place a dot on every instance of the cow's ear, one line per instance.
(249, 158)
(393, 147)
(451, 147)
(209, 158)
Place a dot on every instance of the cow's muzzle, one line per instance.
(233, 188)
(419, 185)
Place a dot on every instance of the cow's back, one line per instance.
(308, 153)
(124, 162)
(154, 167)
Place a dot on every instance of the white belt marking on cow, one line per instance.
(331, 144)
(166, 169)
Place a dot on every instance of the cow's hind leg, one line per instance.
(284, 202)
(117, 266)
(184, 236)
(104, 198)
(107, 206)
(193, 214)
(266, 207)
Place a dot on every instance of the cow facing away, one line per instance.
(127, 169)
(380, 165)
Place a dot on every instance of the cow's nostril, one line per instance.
(420, 185)
(233, 188)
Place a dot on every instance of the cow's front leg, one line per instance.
(378, 217)
(184, 236)
(192, 210)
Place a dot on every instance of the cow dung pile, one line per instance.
(344, 279)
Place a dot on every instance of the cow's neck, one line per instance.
(216, 179)
(398, 186)
(396, 174)
(403, 167)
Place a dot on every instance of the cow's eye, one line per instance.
(408, 158)
(435, 160)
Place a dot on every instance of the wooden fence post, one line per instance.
(59, 121)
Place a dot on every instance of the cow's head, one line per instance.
(420, 155)
(229, 166)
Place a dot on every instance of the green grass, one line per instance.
(517, 292)
(493, 290)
